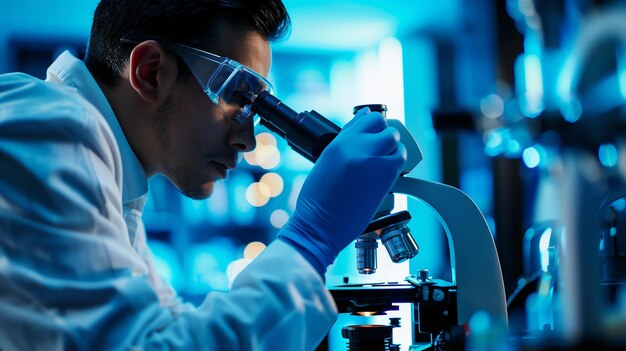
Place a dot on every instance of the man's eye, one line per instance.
(243, 87)
(242, 97)
(249, 84)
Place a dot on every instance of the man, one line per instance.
(154, 97)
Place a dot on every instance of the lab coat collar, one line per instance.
(72, 72)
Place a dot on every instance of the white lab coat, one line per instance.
(75, 270)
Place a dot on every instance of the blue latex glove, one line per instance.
(344, 189)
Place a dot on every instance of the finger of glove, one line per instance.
(360, 113)
(382, 143)
(395, 160)
(393, 165)
(372, 122)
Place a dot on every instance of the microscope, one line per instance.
(441, 310)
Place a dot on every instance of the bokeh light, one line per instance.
(278, 218)
(531, 157)
(253, 250)
(619, 205)
(493, 142)
(258, 194)
(571, 109)
(234, 268)
(250, 157)
(492, 106)
(266, 139)
(274, 182)
(267, 156)
(608, 155)
(266, 153)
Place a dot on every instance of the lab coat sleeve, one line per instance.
(69, 277)
(278, 302)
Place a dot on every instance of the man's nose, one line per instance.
(242, 138)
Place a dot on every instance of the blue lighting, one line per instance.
(513, 147)
(205, 265)
(601, 244)
(243, 212)
(608, 155)
(619, 205)
(544, 245)
(493, 143)
(621, 68)
(167, 264)
(571, 110)
(531, 92)
(531, 157)
(218, 204)
(530, 107)
(530, 233)
(480, 322)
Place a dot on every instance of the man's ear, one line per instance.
(152, 71)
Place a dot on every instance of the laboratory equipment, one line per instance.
(575, 113)
(438, 306)
(371, 336)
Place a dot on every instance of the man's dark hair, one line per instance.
(190, 22)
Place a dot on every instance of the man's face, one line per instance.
(198, 144)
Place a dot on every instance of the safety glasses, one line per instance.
(232, 86)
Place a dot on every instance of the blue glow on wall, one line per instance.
(243, 213)
(167, 264)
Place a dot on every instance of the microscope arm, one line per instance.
(473, 256)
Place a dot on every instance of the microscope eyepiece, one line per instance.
(382, 108)
(308, 133)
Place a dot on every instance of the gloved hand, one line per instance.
(344, 189)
